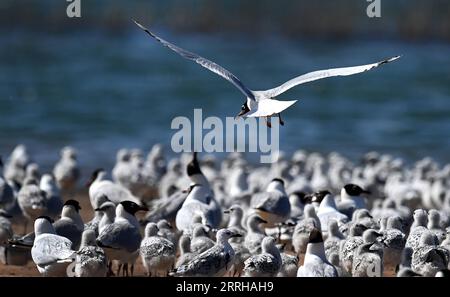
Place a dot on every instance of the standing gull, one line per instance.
(53, 195)
(351, 199)
(263, 103)
(214, 262)
(185, 251)
(66, 170)
(315, 263)
(302, 230)
(91, 259)
(200, 241)
(157, 253)
(200, 200)
(101, 188)
(273, 204)
(328, 211)
(50, 252)
(429, 258)
(267, 263)
(121, 239)
(70, 225)
(255, 234)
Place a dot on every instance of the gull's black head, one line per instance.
(193, 167)
(73, 203)
(45, 218)
(132, 207)
(94, 175)
(315, 236)
(278, 180)
(318, 196)
(355, 190)
(244, 110)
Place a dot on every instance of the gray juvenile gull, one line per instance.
(289, 264)
(214, 262)
(121, 239)
(66, 170)
(368, 257)
(235, 222)
(334, 239)
(328, 210)
(334, 260)
(434, 224)
(351, 199)
(255, 234)
(315, 263)
(199, 201)
(32, 200)
(298, 200)
(200, 241)
(349, 245)
(263, 103)
(429, 258)
(101, 188)
(50, 252)
(167, 231)
(267, 263)
(91, 259)
(53, 195)
(394, 240)
(303, 229)
(273, 204)
(185, 251)
(241, 254)
(70, 225)
(108, 209)
(418, 227)
(157, 253)
(17, 163)
(122, 169)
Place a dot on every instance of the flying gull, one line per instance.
(263, 103)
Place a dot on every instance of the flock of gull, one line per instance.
(307, 215)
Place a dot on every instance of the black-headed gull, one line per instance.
(263, 103)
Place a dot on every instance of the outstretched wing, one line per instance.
(211, 66)
(315, 75)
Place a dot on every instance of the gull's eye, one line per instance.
(243, 107)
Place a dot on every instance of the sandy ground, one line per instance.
(87, 213)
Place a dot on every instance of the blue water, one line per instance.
(100, 92)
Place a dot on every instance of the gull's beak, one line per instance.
(240, 114)
(236, 235)
(226, 211)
